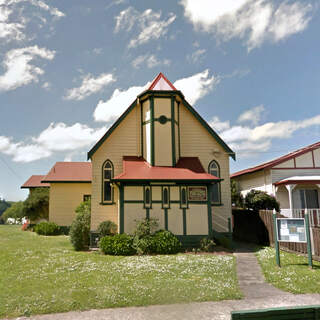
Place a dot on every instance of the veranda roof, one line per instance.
(299, 180)
(35, 182)
(137, 169)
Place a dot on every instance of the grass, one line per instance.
(41, 274)
(294, 276)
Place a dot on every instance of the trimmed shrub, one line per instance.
(145, 227)
(207, 245)
(145, 245)
(165, 242)
(260, 200)
(117, 245)
(107, 228)
(47, 229)
(80, 227)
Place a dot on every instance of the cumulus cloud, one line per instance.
(259, 137)
(89, 86)
(56, 138)
(194, 88)
(148, 24)
(19, 69)
(252, 115)
(13, 22)
(254, 21)
(150, 61)
(196, 56)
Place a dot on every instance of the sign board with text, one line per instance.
(291, 230)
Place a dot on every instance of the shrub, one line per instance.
(80, 227)
(47, 229)
(165, 242)
(207, 245)
(145, 245)
(117, 245)
(145, 227)
(259, 200)
(107, 228)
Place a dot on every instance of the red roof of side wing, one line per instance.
(161, 83)
(70, 172)
(137, 169)
(35, 182)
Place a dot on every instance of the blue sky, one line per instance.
(69, 68)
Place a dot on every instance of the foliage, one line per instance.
(236, 196)
(117, 245)
(47, 229)
(4, 205)
(145, 227)
(207, 245)
(15, 212)
(36, 206)
(144, 245)
(165, 242)
(80, 227)
(107, 228)
(260, 200)
(50, 277)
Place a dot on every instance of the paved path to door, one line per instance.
(257, 295)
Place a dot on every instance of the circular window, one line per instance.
(163, 119)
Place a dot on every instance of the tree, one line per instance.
(4, 205)
(260, 200)
(36, 206)
(15, 212)
(236, 196)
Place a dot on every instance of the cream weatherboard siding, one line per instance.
(64, 199)
(124, 140)
(281, 174)
(195, 140)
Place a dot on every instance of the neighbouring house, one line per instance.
(294, 179)
(70, 184)
(160, 160)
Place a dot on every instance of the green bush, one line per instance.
(145, 227)
(80, 227)
(47, 229)
(145, 245)
(165, 242)
(107, 228)
(207, 245)
(117, 245)
(260, 200)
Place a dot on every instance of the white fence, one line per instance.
(314, 215)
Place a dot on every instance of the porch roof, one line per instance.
(299, 180)
(137, 169)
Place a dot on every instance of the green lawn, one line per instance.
(294, 275)
(44, 275)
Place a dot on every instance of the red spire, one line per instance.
(161, 83)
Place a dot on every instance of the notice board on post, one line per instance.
(291, 230)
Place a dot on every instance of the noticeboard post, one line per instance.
(292, 230)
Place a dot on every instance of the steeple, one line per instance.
(161, 83)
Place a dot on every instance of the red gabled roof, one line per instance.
(70, 172)
(35, 182)
(277, 161)
(136, 168)
(161, 83)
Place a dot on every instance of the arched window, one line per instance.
(147, 197)
(183, 197)
(214, 169)
(107, 175)
(165, 197)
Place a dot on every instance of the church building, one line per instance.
(162, 160)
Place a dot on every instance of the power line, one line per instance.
(12, 171)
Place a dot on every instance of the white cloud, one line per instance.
(89, 86)
(46, 85)
(148, 24)
(196, 56)
(19, 70)
(194, 88)
(259, 138)
(97, 51)
(13, 22)
(254, 21)
(252, 115)
(56, 138)
(119, 101)
(150, 61)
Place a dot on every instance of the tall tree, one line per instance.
(36, 206)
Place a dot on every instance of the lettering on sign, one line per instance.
(197, 194)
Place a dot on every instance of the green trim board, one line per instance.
(163, 205)
(154, 93)
(141, 129)
(121, 209)
(166, 219)
(173, 135)
(145, 205)
(184, 221)
(152, 149)
(209, 187)
(178, 106)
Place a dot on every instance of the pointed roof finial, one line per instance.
(161, 83)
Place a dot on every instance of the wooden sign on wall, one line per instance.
(197, 193)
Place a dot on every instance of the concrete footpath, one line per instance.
(257, 295)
